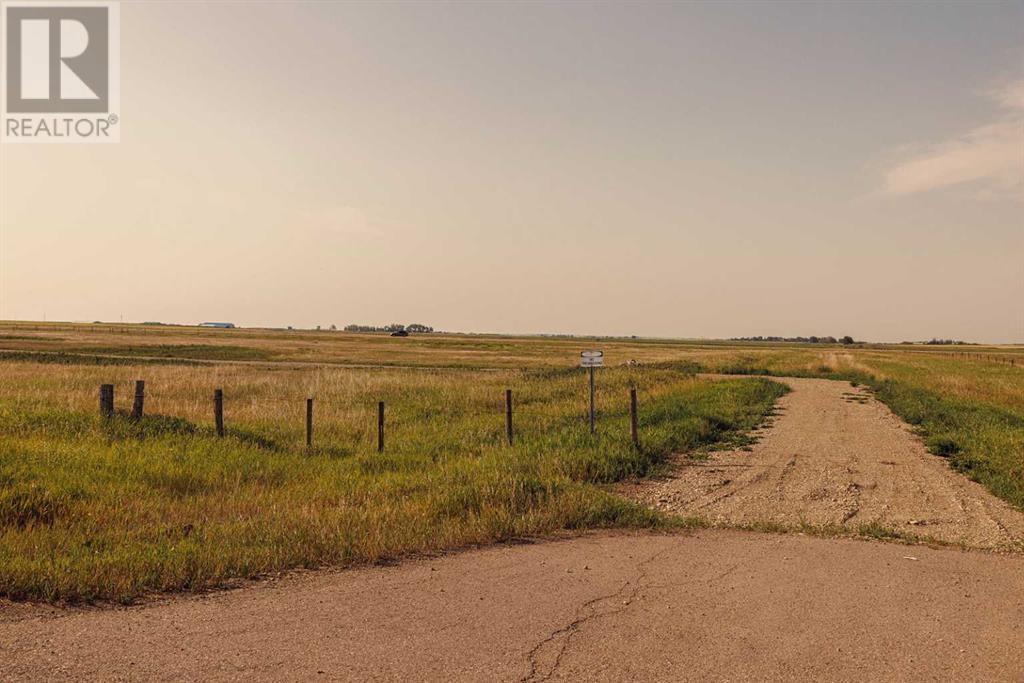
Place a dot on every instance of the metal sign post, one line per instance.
(593, 426)
(591, 360)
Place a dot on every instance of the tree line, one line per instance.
(805, 340)
(393, 327)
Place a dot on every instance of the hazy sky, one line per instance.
(685, 170)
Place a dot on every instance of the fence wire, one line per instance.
(344, 424)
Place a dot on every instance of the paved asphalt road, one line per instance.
(608, 606)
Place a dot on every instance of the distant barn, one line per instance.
(226, 326)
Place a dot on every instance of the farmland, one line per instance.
(113, 509)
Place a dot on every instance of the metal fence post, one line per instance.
(593, 421)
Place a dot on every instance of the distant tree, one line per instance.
(416, 327)
(317, 328)
(334, 328)
(846, 340)
(394, 327)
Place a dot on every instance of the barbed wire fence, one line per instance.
(509, 417)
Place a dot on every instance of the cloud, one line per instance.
(991, 157)
(1011, 96)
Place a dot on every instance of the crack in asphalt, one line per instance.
(570, 629)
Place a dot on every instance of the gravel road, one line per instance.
(836, 456)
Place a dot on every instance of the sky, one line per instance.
(668, 169)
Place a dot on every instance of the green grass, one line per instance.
(95, 510)
(27, 337)
(64, 358)
(179, 351)
(984, 442)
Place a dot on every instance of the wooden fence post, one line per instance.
(633, 431)
(140, 398)
(380, 427)
(106, 400)
(508, 416)
(218, 410)
(309, 423)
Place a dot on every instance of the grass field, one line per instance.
(94, 509)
